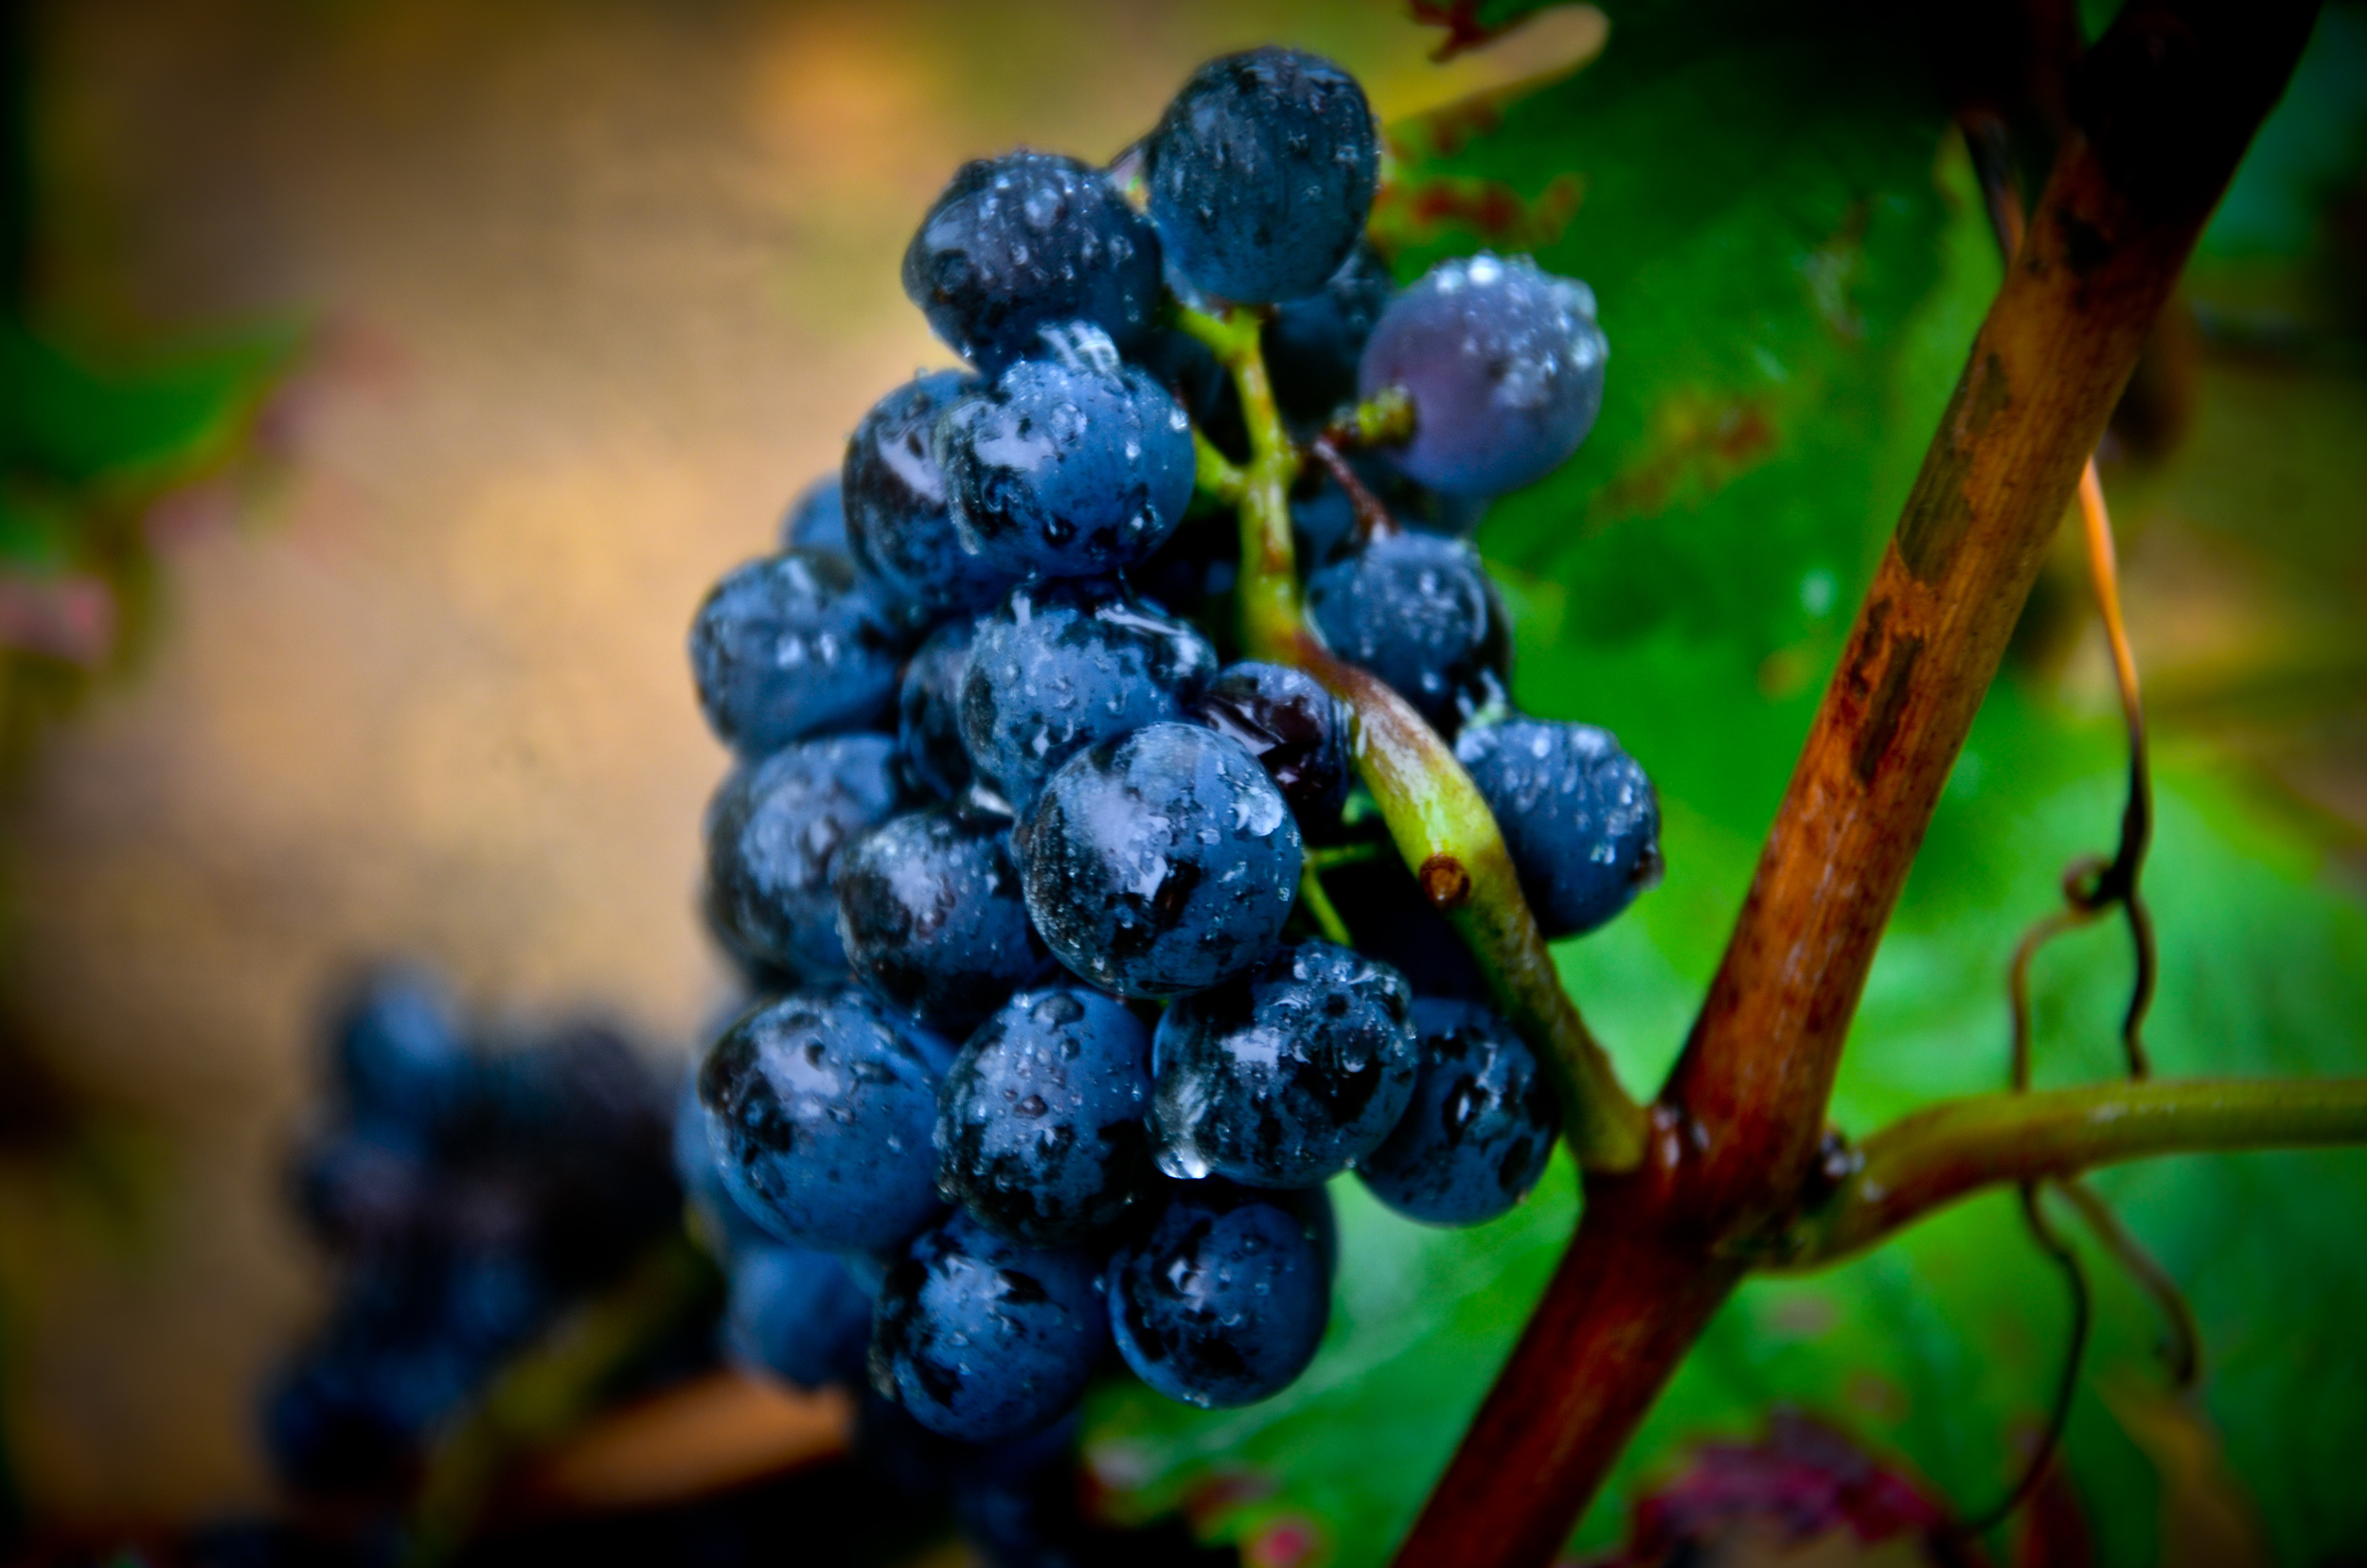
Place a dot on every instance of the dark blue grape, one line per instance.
(1504, 364)
(983, 1339)
(930, 910)
(716, 1220)
(817, 518)
(1224, 1301)
(1039, 1124)
(773, 836)
(1323, 525)
(1418, 612)
(1194, 573)
(397, 1055)
(1313, 344)
(1062, 665)
(415, 1329)
(1068, 465)
(1481, 1126)
(1288, 1074)
(1030, 241)
(929, 744)
(577, 1119)
(1580, 817)
(824, 1104)
(1298, 731)
(1159, 863)
(898, 527)
(1262, 173)
(366, 1185)
(793, 646)
(798, 1316)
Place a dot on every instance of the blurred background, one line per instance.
(389, 379)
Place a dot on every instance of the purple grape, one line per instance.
(1062, 665)
(1224, 1301)
(1039, 1124)
(1504, 364)
(983, 1339)
(930, 911)
(822, 1106)
(1298, 731)
(793, 646)
(773, 831)
(898, 527)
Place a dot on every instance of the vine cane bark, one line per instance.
(2161, 109)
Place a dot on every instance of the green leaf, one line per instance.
(1790, 262)
(66, 420)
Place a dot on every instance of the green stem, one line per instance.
(1382, 419)
(1440, 822)
(1934, 1157)
(1270, 585)
(1448, 836)
(1216, 475)
(1328, 857)
(1319, 905)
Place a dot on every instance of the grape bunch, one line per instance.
(469, 1188)
(1057, 1037)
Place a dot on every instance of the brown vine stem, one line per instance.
(2161, 109)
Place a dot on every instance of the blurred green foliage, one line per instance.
(1790, 261)
(90, 436)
